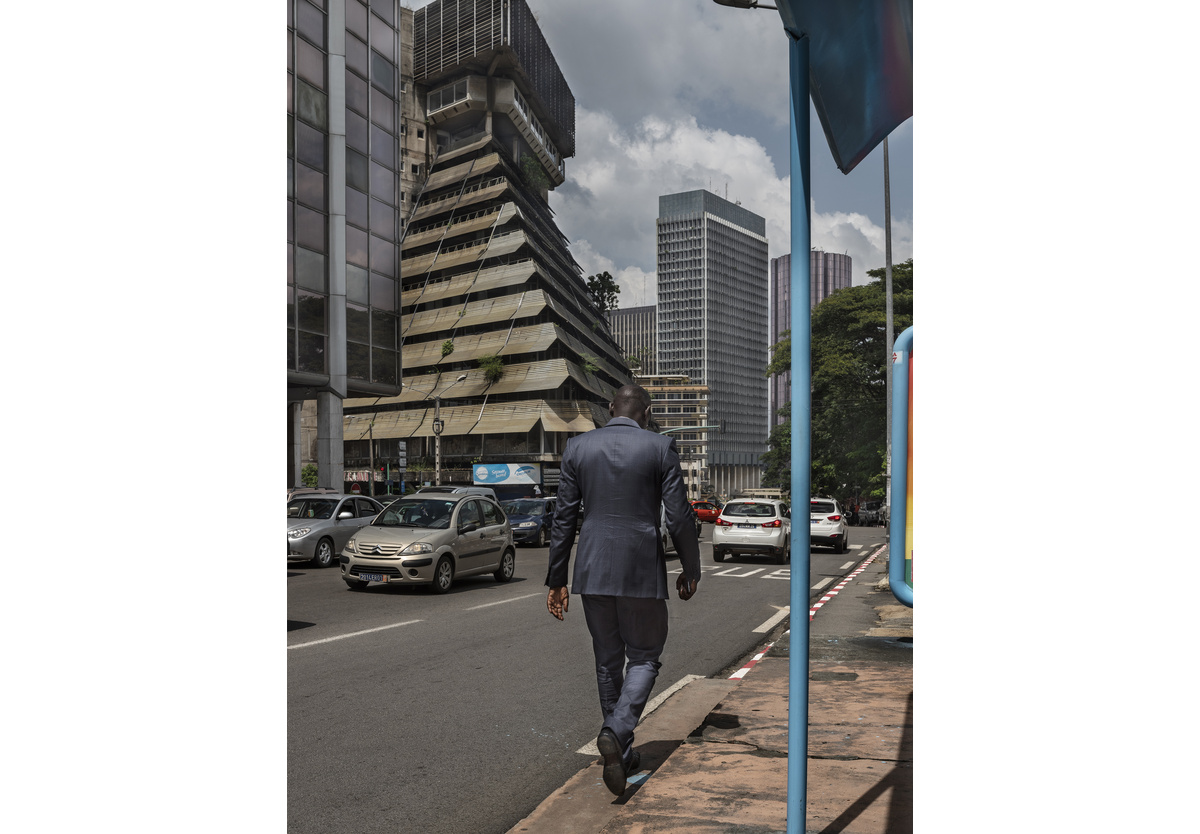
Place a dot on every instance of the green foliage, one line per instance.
(778, 458)
(604, 290)
(849, 383)
(308, 475)
(633, 362)
(492, 367)
(590, 363)
(447, 347)
(533, 173)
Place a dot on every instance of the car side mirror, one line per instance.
(345, 514)
(469, 527)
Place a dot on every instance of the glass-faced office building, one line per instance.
(712, 323)
(828, 271)
(345, 181)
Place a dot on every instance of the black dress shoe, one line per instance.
(614, 761)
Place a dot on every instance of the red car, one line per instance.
(706, 510)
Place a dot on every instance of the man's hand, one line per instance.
(686, 587)
(558, 600)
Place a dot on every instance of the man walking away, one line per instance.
(622, 474)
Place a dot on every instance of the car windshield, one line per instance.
(525, 508)
(821, 507)
(311, 507)
(751, 510)
(433, 513)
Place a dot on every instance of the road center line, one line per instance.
(501, 602)
(352, 634)
(822, 583)
(770, 624)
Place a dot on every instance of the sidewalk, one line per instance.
(715, 754)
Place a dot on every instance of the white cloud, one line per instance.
(610, 199)
(609, 203)
(637, 286)
(857, 236)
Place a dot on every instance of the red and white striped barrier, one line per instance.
(849, 578)
(741, 673)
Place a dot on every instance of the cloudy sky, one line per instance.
(677, 95)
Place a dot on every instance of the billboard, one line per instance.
(491, 474)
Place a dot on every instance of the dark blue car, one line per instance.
(530, 519)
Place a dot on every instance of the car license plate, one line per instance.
(815, 521)
(372, 577)
(746, 526)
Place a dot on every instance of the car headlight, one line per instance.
(298, 532)
(527, 524)
(351, 546)
(418, 547)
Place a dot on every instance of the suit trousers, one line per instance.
(628, 635)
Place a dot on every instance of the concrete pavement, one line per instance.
(715, 753)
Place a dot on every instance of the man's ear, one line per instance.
(610, 410)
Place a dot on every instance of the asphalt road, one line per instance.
(410, 712)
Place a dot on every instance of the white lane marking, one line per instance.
(730, 572)
(501, 602)
(352, 634)
(847, 566)
(771, 623)
(822, 583)
(590, 748)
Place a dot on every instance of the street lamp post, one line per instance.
(438, 427)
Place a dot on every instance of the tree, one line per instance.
(849, 382)
(604, 290)
(308, 475)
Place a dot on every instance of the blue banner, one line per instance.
(507, 473)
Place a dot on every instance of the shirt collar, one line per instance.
(622, 421)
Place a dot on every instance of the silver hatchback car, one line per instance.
(758, 526)
(431, 539)
(320, 524)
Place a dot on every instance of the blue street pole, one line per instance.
(801, 321)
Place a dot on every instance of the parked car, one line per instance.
(753, 526)
(707, 510)
(530, 519)
(431, 539)
(460, 490)
(827, 524)
(387, 500)
(668, 542)
(868, 512)
(294, 491)
(320, 524)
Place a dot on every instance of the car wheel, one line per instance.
(787, 550)
(443, 576)
(541, 537)
(323, 558)
(356, 585)
(780, 557)
(508, 563)
(844, 546)
(718, 556)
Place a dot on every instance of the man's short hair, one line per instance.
(631, 397)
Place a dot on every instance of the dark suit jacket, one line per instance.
(621, 474)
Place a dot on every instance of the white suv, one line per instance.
(827, 524)
(759, 526)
